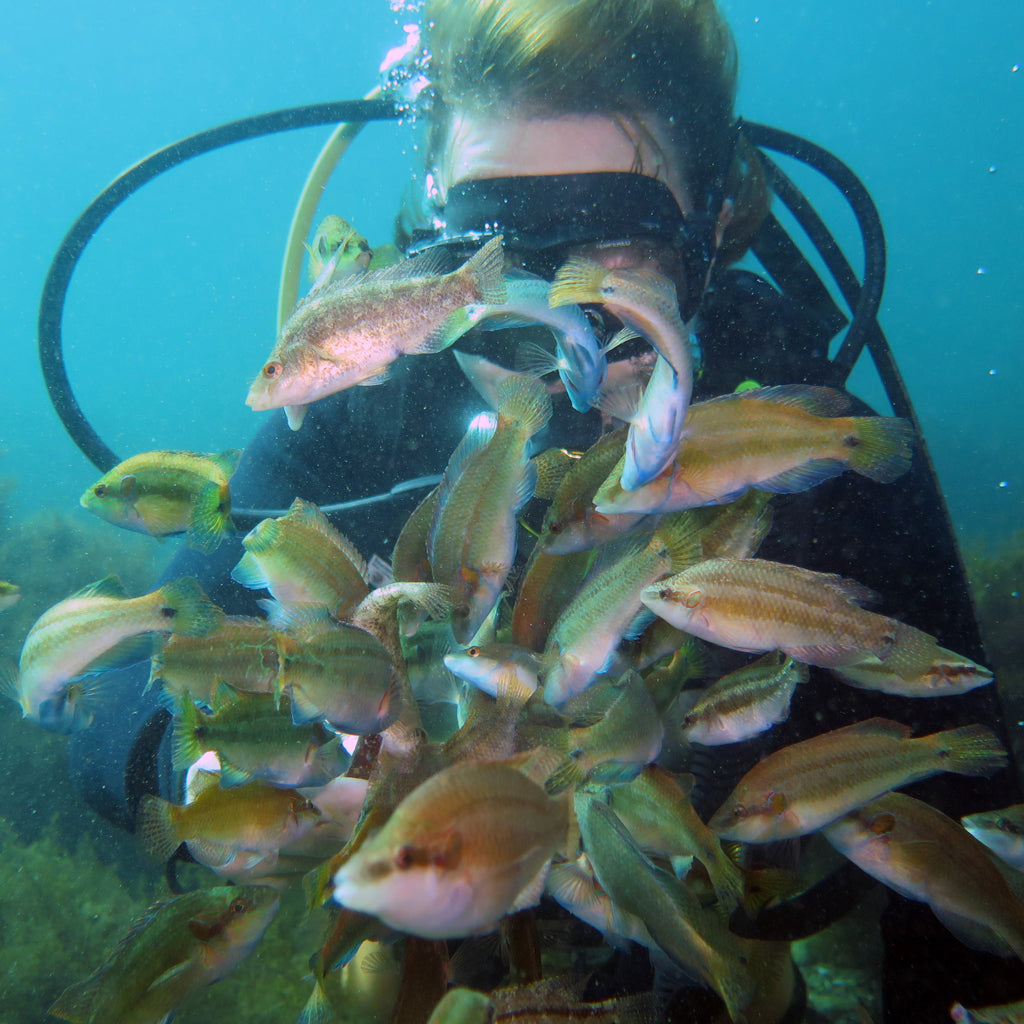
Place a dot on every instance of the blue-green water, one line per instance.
(173, 306)
(175, 298)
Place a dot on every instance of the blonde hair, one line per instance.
(672, 58)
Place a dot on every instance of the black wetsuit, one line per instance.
(894, 538)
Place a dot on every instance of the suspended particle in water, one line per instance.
(992, 168)
(1016, 67)
(1004, 483)
(982, 270)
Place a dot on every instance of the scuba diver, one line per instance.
(608, 129)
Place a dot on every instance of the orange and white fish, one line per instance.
(349, 332)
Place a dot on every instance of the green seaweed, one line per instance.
(61, 907)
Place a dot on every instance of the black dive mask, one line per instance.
(543, 215)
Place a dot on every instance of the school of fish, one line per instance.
(507, 725)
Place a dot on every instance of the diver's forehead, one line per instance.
(495, 146)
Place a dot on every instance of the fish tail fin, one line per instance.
(317, 1009)
(681, 537)
(9, 686)
(154, 825)
(971, 750)
(577, 280)
(880, 447)
(525, 401)
(316, 884)
(487, 269)
(184, 743)
(209, 517)
(535, 360)
(187, 609)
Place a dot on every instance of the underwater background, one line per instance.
(174, 303)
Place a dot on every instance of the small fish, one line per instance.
(655, 807)
(581, 362)
(574, 886)
(255, 818)
(695, 939)
(646, 301)
(1007, 1013)
(253, 739)
(163, 493)
(923, 855)
(548, 584)
(409, 560)
(746, 702)
(615, 748)
(300, 558)
(916, 667)
(656, 421)
(337, 251)
(488, 479)
(10, 595)
(343, 675)
(484, 665)
(463, 1006)
(239, 651)
(93, 630)
(349, 333)
(571, 523)
(752, 605)
(1001, 831)
(466, 847)
(802, 787)
(178, 947)
(736, 530)
(583, 642)
(780, 439)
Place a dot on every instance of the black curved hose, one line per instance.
(51, 305)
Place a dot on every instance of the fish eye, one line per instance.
(404, 858)
(272, 370)
(555, 528)
(99, 490)
(473, 652)
(665, 594)
(239, 906)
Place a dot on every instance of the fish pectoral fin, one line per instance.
(530, 894)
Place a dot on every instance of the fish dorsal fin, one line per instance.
(311, 517)
(878, 727)
(428, 264)
(109, 586)
(819, 401)
(227, 460)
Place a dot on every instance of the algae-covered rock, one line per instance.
(61, 910)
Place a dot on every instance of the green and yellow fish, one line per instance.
(300, 558)
(163, 493)
(92, 631)
(177, 948)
